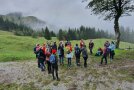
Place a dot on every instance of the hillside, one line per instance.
(29, 21)
(21, 47)
(16, 47)
(24, 75)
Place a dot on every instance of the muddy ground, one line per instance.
(117, 76)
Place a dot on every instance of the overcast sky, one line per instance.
(62, 13)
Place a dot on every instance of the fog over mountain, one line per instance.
(29, 21)
(61, 13)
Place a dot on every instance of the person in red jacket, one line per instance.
(82, 43)
(44, 48)
(48, 54)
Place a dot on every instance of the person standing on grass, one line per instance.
(82, 43)
(44, 48)
(112, 48)
(49, 47)
(61, 54)
(62, 43)
(84, 55)
(40, 56)
(77, 54)
(47, 59)
(107, 44)
(69, 55)
(41, 59)
(104, 56)
(67, 43)
(36, 49)
(91, 45)
(54, 47)
(54, 63)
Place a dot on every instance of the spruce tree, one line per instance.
(47, 34)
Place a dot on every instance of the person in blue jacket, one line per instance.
(112, 52)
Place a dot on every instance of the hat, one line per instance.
(54, 51)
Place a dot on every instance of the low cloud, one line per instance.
(61, 13)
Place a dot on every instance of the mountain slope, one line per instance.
(30, 21)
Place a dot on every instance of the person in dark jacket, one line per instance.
(104, 56)
(41, 59)
(67, 43)
(54, 46)
(36, 49)
(91, 45)
(54, 63)
(77, 54)
(107, 44)
(84, 55)
(61, 54)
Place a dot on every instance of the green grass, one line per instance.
(14, 48)
(17, 47)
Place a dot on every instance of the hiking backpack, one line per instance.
(52, 59)
(107, 50)
(40, 54)
(77, 51)
(34, 50)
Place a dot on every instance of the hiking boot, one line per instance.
(43, 70)
(85, 66)
(105, 63)
(49, 72)
(58, 79)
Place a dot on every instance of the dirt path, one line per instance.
(78, 78)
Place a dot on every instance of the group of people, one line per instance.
(53, 55)
(108, 51)
(46, 54)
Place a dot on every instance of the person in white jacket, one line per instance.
(69, 57)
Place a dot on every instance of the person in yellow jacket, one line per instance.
(69, 55)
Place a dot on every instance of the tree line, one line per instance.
(83, 32)
(127, 35)
(23, 30)
(70, 34)
(20, 30)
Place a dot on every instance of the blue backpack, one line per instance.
(52, 59)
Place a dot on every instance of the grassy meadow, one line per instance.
(25, 75)
(14, 48)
